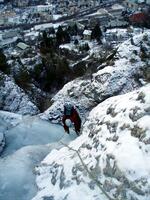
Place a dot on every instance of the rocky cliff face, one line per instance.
(127, 72)
(13, 98)
(113, 152)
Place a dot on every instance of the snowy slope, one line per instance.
(13, 99)
(115, 147)
(123, 75)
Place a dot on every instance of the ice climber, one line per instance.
(71, 114)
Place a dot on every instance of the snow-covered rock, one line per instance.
(2, 142)
(114, 148)
(13, 99)
(125, 74)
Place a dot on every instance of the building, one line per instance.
(87, 34)
(41, 8)
(31, 36)
(22, 46)
(20, 3)
(5, 16)
(116, 10)
(134, 4)
(117, 23)
(139, 19)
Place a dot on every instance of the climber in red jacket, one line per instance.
(71, 113)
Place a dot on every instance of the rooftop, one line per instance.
(22, 45)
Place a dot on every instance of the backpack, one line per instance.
(68, 109)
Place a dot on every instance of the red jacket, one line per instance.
(75, 119)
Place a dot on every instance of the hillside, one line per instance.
(125, 71)
(110, 160)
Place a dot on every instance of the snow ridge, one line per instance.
(115, 146)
